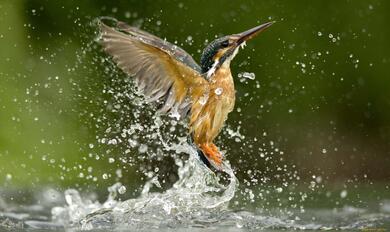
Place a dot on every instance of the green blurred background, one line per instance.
(320, 103)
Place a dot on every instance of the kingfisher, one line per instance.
(170, 77)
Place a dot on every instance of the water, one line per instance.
(198, 200)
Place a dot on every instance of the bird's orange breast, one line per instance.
(210, 111)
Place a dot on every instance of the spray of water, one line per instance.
(196, 196)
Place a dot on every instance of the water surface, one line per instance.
(197, 201)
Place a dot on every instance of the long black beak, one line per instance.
(249, 34)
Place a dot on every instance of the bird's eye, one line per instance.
(225, 43)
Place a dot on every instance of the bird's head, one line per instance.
(222, 50)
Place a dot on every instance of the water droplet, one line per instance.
(189, 40)
(113, 142)
(8, 177)
(72, 197)
(218, 91)
(247, 75)
(122, 189)
(203, 99)
(343, 194)
(142, 148)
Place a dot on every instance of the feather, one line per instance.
(163, 72)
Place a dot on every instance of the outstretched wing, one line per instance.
(166, 46)
(163, 72)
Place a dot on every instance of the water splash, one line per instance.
(196, 196)
(198, 199)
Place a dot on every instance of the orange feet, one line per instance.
(212, 154)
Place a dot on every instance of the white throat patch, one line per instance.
(211, 71)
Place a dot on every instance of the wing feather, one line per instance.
(163, 72)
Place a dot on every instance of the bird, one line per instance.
(166, 74)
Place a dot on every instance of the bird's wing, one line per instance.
(163, 73)
(164, 45)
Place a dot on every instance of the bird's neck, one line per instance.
(222, 74)
(217, 67)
